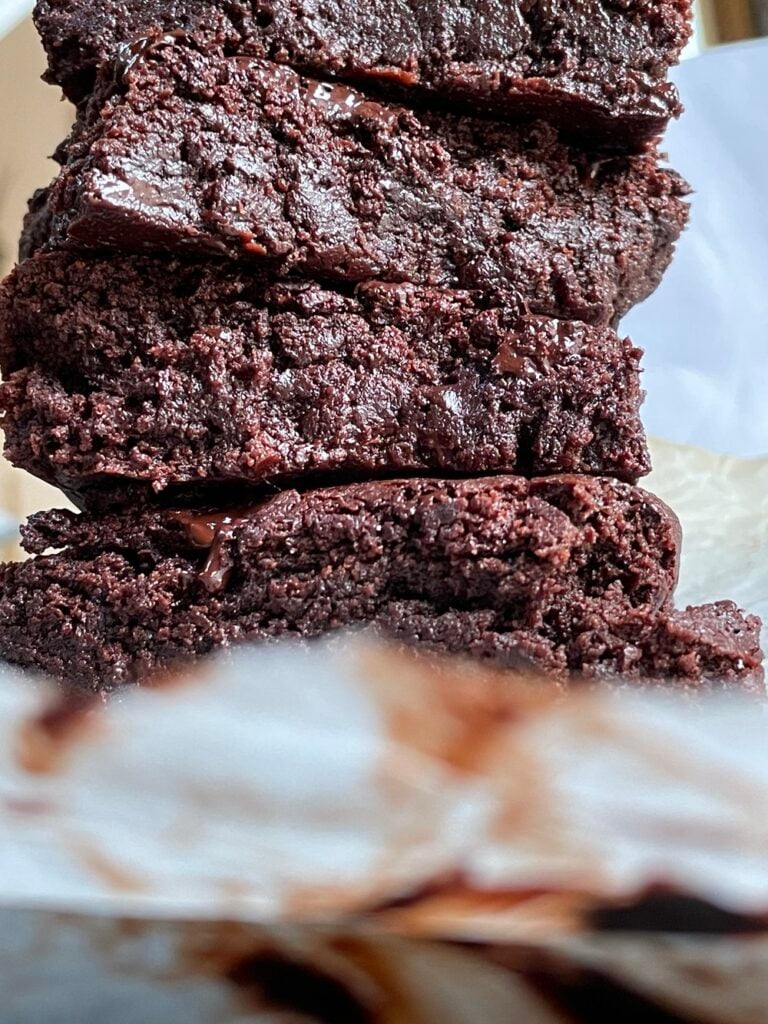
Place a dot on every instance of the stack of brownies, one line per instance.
(317, 327)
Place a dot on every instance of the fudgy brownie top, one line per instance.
(570, 575)
(243, 159)
(594, 66)
(166, 374)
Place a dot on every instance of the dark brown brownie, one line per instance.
(571, 575)
(593, 66)
(38, 224)
(242, 159)
(136, 373)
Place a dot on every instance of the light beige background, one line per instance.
(33, 120)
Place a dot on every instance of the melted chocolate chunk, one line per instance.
(215, 532)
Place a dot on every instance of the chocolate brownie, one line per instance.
(593, 66)
(38, 225)
(242, 159)
(168, 374)
(571, 575)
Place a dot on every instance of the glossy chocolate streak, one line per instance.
(333, 96)
(129, 55)
(214, 532)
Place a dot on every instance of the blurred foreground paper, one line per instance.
(400, 840)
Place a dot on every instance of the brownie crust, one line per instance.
(570, 575)
(593, 67)
(129, 376)
(242, 159)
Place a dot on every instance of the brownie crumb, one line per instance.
(598, 69)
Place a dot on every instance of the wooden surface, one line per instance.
(33, 120)
(726, 21)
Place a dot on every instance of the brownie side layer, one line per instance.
(571, 575)
(594, 67)
(242, 159)
(164, 374)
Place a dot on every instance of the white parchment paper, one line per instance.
(705, 331)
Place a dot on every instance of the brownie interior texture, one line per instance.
(131, 375)
(592, 66)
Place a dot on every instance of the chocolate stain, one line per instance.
(96, 863)
(287, 984)
(44, 743)
(272, 971)
(28, 807)
(672, 913)
(215, 532)
(471, 706)
(588, 997)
